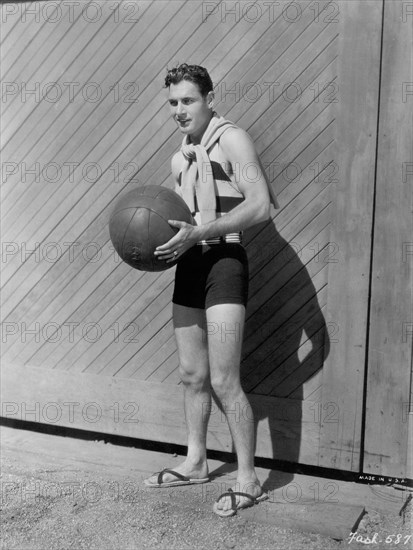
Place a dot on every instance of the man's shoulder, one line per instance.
(233, 136)
(234, 140)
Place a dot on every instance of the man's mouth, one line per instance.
(183, 121)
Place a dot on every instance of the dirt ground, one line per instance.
(61, 493)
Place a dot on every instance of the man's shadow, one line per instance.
(285, 344)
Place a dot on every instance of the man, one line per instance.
(218, 173)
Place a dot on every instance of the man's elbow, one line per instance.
(263, 211)
(258, 208)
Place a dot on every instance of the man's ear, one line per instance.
(210, 99)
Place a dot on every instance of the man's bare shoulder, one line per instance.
(236, 142)
(235, 134)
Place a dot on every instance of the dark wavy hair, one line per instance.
(193, 73)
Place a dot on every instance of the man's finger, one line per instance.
(176, 223)
(164, 249)
(167, 247)
(172, 242)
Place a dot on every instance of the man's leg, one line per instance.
(225, 332)
(189, 325)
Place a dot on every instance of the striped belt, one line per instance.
(229, 238)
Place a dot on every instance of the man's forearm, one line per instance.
(241, 217)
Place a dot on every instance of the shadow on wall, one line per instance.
(285, 343)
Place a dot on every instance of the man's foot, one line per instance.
(243, 495)
(184, 474)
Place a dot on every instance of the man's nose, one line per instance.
(180, 109)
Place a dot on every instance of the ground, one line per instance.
(63, 493)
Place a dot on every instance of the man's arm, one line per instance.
(239, 150)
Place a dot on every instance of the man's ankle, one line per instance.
(196, 461)
(247, 476)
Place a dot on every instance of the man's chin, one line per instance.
(183, 129)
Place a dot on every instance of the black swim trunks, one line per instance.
(208, 275)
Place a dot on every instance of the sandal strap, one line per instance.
(233, 494)
(169, 471)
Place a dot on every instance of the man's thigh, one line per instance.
(225, 328)
(191, 338)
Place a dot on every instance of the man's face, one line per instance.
(191, 111)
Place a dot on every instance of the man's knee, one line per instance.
(195, 375)
(224, 385)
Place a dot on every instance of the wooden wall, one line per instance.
(388, 406)
(97, 125)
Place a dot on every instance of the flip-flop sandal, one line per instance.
(234, 506)
(181, 479)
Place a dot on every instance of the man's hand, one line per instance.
(186, 237)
